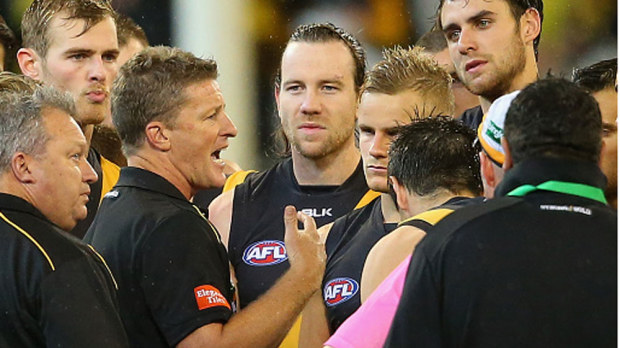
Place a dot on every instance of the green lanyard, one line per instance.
(570, 188)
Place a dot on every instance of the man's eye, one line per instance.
(330, 88)
(293, 88)
(483, 23)
(453, 35)
(78, 56)
(109, 57)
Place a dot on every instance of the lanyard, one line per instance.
(570, 188)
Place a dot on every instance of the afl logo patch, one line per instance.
(339, 290)
(265, 253)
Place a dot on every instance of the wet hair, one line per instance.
(151, 87)
(554, 117)
(598, 76)
(436, 153)
(37, 19)
(517, 8)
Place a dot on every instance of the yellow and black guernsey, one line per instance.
(56, 290)
(256, 241)
(108, 174)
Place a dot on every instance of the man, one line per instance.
(493, 45)
(55, 289)
(404, 84)
(131, 40)
(433, 170)
(171, 266)
(600, 80)
(434, 43)
(72, 46)
(8, 41)
(316, 92)
(515, 271)
(11, 82)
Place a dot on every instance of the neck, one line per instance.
(420, 204)
(527, 76)
(161, 166)
(389, 210)
(333, 169)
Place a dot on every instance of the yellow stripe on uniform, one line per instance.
(431, 216)
(110, 173)
(292, 337)
(49, 260)
(368, 197)
(105, 264)
(236, 178)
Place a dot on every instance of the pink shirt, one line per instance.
(370, 324)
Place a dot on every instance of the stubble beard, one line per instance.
(498, 82)
(334, 142)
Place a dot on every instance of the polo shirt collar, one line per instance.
(147, 180)
(14, 203)
(538, 170)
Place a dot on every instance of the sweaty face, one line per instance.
(485, 45)
(83, 65)
(608, 103)
(201, 131)
(379, 116)
(62, 174)
(317, 98)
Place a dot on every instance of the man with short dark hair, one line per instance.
(172, 268)
(72, 46)
(600, 80)
(517, 271)
(493, 45)
(8, 43)
(56, 291)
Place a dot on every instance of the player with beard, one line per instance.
(403, 84)
(316, 92)
(72, 45)
(600, 80)
(494, 46)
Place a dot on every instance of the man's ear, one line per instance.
(157, 135)
(486, 169)
(21, 166)
(508, 163)
(402, 195)
(530, 25)
(30, 63)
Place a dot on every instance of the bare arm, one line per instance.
(388, 253)
(265, 322)
(220, 214)
(314, 328)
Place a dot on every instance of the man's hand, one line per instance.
(306, 251)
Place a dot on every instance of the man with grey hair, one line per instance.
(55, 289)
(172, 268)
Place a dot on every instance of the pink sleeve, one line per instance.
(369, 325)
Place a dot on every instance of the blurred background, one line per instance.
(246, 38)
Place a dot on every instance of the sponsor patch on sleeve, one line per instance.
(208, 296)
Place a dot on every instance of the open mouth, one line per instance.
(215, 157)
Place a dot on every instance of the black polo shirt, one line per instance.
(55, 290)
(532, 271)
(472, 118)
(171, 267)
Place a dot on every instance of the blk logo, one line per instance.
(317, 212)
(265, 253)
(339, 290)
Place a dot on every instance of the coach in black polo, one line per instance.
(535, 266)
(55, 290)
(172, 269)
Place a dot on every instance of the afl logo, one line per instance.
(265, 253)
(339, 290)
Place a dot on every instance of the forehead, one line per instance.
(203, 96)
(61, 127)
(608, 104)
(458, 11)
(317, 60)
(69, 33)
(384, 110)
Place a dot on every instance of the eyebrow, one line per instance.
(472, 19)
(88, 51)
